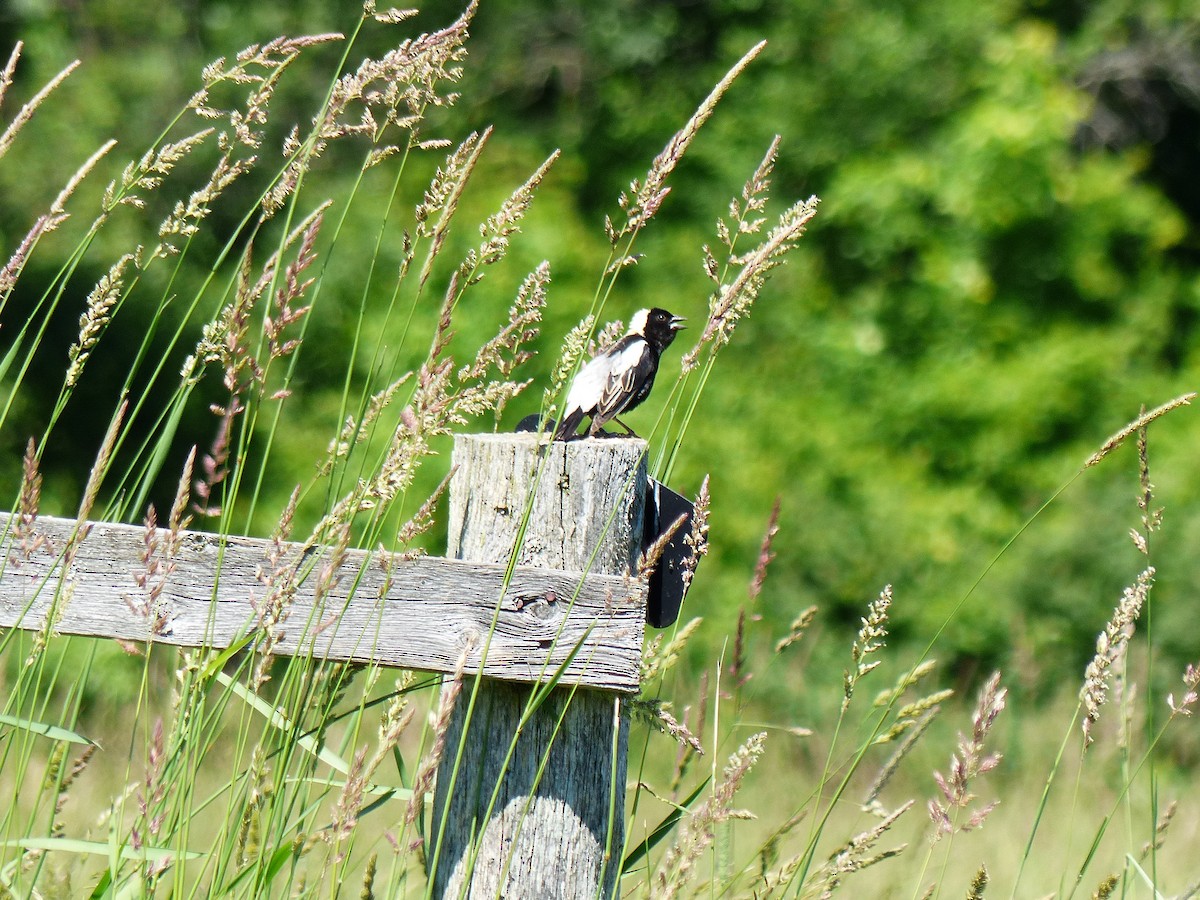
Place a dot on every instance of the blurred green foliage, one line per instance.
(1004, 268)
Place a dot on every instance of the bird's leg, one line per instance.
(628, 431)
(596, 429)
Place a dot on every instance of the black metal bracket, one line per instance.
(666, 589)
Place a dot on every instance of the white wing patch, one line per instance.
(604, 380)
(618, 388)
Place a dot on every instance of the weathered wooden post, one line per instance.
(557, 824)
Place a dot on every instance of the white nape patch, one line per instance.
(637, 325)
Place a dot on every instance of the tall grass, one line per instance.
(243, 772)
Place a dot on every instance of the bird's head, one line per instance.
(656, 325)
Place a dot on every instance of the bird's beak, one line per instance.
(677, 323)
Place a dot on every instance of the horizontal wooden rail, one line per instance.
(420, 613)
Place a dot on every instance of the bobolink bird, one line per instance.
(621, 377)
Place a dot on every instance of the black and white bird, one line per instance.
(621, 377)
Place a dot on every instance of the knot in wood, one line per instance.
(540, 606)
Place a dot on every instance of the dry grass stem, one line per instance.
(185, 218)
(46, 223)
(978, 884)
(390, 16)
(149, 172)
(279, 574)
(696, 724)
(606, 337)
(16, 262)
(732, 301)
(24, 537)
(329, 572)
(345, 811)
(64, 787)
(1117, 439)
(25, 113)
(968, 763)
(765, 553)
(659, 656)
(442, 196)
(59, 205)
(214, 463)
(1160, 830)
(738, 664)
(909, 714)
(908, 679)
(912, 734)
(100, 467)
(506, 351)
(271, 56)
(855, 855)
(868, 642)
(697, 829)
(643, 199)
(738, 672)
(423, 782)
(226, 339)
(500, 226)
(797, 629)
(285, 314)
(652, 555)
(1110, 647)
(573, 348)
(394, 90)
(776, 880)
(1191, 682)
(657, 714)
(744, 213)
(1152, 516)
(159, 556)
(10, 68)
(151, 792)
(353, 432)
(422, 520)
(697, 538)
(394, 722)
(96, 316)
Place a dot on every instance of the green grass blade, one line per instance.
(217, 663)
(278, 859)
(662, 829)
(100, 848)
(102, 886)
(45, 729)
(307, 742)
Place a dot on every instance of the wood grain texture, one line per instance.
(586, 513)
(419, 614)
(547, 833)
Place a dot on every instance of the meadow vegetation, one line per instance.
(942, 640)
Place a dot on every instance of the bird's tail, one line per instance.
(569, 425)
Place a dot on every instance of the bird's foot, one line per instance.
(629, 432)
